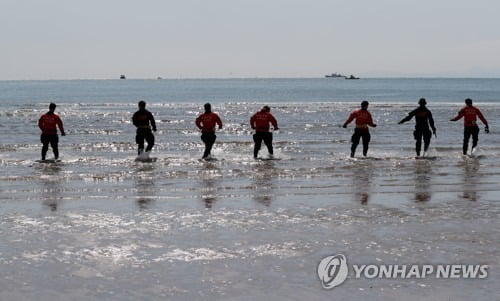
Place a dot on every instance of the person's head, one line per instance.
(422, 102)
(142, 104)
(468, 102)
(364, 105)
(208, 107)
(52, 107)
(266, 109)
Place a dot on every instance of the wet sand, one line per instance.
(257, 231)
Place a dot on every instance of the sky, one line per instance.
(101, 39)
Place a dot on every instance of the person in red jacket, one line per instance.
(363, 120)
(49, 123)
(260, 123)
(470, 114)
(206, 122)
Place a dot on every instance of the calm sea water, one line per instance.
(250, 90)
(101, 225)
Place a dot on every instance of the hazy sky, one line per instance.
(70, 39)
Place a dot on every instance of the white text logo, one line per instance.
(333, 271)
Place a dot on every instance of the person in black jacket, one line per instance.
(144, 121)
(423, 119)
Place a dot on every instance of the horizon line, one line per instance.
(255, 77)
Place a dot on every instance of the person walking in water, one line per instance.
(423, 119)
(260, 123)
(470, 114)
(363, 120)
(206, 122)
(144, 122)
(48, 123)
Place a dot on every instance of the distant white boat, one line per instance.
(334, 75)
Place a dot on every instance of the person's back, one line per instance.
(261, 121)
(144, 122)
(470, 114)
(423, 120)
(207, 121)
(363, 120)
(143, 119)
(423, 117)
(48, 124)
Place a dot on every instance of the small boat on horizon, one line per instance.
(351, 77)
(122, 77)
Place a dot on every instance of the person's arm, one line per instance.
(370, 121)
(480, 115)
(407, 118)
(40, 123)
(60, 125)
(252, 122)
(152, 120)
(431, 122)
(460, 115)
(486, 127)
(198, 122)
(218, 121)
(134, 119)
(274, 122)
(351, 118)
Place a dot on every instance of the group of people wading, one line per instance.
(261, 122)
(424, 123)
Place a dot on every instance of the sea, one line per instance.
(100, 226)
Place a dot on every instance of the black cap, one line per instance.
(142, 104)
(52, 106)
(468, 101)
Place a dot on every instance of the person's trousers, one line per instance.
(468, 132)
(360, 134)
(53, 140)
(418, 134)
(144, 134)
(258, 137)
(209, 140)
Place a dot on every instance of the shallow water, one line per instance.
(99, 225)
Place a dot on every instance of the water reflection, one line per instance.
(422, 180)
(50, 181)
(471, 173)
(210, 191)
(263, 185)
(145, 186)
(362, 180)
(210, 179)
